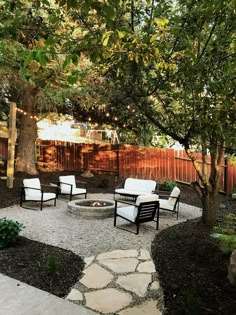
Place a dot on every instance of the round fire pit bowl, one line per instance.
(92, 208)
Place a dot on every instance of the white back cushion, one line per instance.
(142, 185)
(34, 183)
(69, 179)
(148, 198)
(174, 194)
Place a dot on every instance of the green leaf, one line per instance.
(28, 59)
(161, 22)
(50, 41)
(153, 38)
(66, 62)
(121, 34)
(75, 59)
(42, 58)
(109, 11)
(72, 79)
(105, 38)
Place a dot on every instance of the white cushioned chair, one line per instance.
(172, 203)
(32, 191)
(145, 209)
(134, 187)
(67, 186)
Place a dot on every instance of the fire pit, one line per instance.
(92, 208)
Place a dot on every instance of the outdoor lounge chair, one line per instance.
(172, 203)
(145, 209)
(67, 186)
(32, 191)
(134, 187)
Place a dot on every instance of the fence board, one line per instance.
(124, 161)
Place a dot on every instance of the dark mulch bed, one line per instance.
(46, 267)
(192, 270)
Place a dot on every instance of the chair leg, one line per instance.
(55, 202)
(137, 231)
(115, 219)
(157, 221)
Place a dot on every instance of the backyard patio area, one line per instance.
(176, 248)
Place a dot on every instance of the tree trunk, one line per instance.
(208, 189)
(26, 157)
(209, 206)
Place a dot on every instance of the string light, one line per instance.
(25, 113)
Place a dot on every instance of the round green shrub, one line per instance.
(9, 230)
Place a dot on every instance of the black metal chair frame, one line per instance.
(147, 212)
(22, 196)
(71, 189)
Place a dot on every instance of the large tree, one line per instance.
(174, 61)
(34, 72)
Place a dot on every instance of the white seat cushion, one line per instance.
(77, 191)
(165, 204)
(128, 212)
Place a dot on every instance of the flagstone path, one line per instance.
(122, 282)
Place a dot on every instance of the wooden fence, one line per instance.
(124, 161)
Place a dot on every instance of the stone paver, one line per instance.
(96, 277)
(107, 300)
(147, 308)
(121, 265)
(75, 295)
(136, 283)
(144, 254)
(155, 285)
(120, 282)
(88, 261)
(118, 254)
(147, 266)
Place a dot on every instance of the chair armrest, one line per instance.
(125, 202)
(80, 182)
(157, 187)
(50, 185)
(24, 187)
(32, 188)
(53, 185)
(65, 183)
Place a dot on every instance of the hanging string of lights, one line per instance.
(21, 111)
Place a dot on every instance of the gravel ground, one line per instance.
(55, 226)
